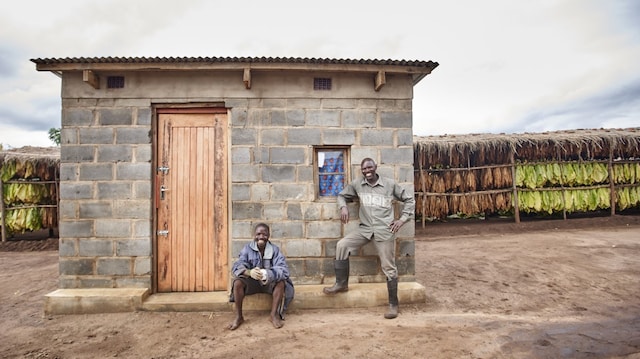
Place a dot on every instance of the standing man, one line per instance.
(377, 223)
(261, 268)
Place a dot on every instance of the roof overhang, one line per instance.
(378, 68)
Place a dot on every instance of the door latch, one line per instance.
(163, 189)
(163, 233)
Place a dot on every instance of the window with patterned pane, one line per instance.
(332, 167)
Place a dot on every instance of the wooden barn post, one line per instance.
(424, 192)
(516, 207)
(2, 213)
(612, 186)
(562, 189)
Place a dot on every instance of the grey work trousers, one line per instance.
(353, 241)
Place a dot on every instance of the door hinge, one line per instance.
(163, 169)
(163, 233)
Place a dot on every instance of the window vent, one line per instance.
(321, 83)
(115, 82)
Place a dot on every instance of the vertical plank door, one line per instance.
(191, 201)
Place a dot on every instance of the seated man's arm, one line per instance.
(242, 266)
(279, 270)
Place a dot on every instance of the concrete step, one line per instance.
(77, 301)
(95, 300)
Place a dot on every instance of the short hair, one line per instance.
(263, 225)
(367, 160)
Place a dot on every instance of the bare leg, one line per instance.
(278, 294)
(238, 293)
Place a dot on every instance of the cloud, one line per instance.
(540, 66)
(17, 137)
(8, 61)
(505, 66)
(47, 115)
(617, 106)
(28, 99)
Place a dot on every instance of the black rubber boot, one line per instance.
(342, 277)
(392, 288)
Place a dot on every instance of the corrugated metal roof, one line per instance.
(281, 60)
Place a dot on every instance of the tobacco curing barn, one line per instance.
(166, 165)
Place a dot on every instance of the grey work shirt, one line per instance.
(376, 205)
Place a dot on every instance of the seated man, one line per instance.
(261, 268)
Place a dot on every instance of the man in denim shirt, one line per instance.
(261, 268)
(377, 223)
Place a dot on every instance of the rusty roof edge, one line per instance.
(311, 60)
(422, 75)
(80, 63)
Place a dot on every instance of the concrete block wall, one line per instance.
(105, 194)
(106, 171)
(273, 178)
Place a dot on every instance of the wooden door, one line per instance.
(191, 201)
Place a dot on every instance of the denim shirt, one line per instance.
(273, 261)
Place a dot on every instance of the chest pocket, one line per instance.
(374, 200)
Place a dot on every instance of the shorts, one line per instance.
(253, 286)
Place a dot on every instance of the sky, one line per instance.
(505, 66)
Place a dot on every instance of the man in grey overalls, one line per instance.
(377, 223)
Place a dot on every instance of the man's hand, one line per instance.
(344, 215)
(256, 274)
(394, 227)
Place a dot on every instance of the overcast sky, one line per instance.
(506, 66)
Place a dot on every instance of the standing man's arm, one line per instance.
(347, 194)
(408, 208)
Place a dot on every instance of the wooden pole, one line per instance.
(612, 186)
(3, 228)
(516, 207)
(562, 189)
(57, 184)
(424, 196)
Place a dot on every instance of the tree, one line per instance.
(54, 135)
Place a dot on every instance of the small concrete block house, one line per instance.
(167, 164)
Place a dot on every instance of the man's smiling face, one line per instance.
(261, 236)
(368, 169)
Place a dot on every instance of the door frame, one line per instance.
(191, 108)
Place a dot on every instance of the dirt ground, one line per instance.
(495, 289)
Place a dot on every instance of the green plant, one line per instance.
(54, 135)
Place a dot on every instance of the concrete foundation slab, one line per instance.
(360, 295)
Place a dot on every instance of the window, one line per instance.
(332, 166)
